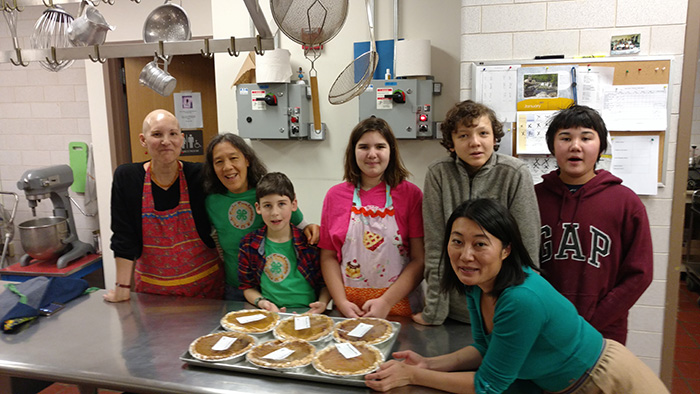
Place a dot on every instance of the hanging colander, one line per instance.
(51, 30)
(355, 78)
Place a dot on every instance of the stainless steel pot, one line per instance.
(42, 238)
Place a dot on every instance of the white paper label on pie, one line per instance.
(347, 350)
(223, 343)
(250, 318)
(360, 330)
(279, 354)
(301, 323)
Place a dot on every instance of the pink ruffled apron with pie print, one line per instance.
(373, 253)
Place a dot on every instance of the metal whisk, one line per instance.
(50, 30)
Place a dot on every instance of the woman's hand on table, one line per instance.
(418, 318)
(376, 308)
(349, 309)
(118, 294)
(395, 373)
(312, 233)
(411, 358)
(270, 306)
(317, 307)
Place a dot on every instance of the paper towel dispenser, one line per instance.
(406, 104)
(277, 111)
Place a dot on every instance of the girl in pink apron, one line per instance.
(372, 229)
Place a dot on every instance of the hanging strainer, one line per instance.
(310, 23)
(355, 78)
(51, 30)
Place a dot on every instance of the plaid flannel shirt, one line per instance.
(251, 259)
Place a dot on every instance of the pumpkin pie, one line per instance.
(250, 321)
(361, 361)
(369, 330)
(221, 346)
(282, 354)
(320, 327)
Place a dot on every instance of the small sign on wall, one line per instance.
(193, 144)
(188, 109)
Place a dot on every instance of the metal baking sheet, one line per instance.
(305, 373)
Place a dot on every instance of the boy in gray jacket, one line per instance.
(470, 133)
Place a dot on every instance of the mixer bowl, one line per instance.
(42, 238)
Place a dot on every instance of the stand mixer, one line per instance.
(53, 182)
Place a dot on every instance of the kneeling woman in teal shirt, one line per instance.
(522, 327)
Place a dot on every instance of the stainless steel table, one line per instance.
(135, 346)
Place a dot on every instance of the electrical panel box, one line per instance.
(278, 111)
(406, 104)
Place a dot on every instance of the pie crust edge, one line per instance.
(203, 357)
(242, 329)
(260, 362)
(389, 330)
(379, 359)
(279, 334)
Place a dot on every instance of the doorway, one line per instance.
(672, 326)
(194, 74)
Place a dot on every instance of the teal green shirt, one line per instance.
(233, 216)
(281, 282)
(537, 335)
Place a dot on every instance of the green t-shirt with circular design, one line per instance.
(281, 282)
(233, 216)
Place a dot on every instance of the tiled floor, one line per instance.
(686, 372)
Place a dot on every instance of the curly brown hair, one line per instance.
(467, 113)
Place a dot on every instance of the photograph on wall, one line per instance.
(627, 44)
(546, 88)
(541, 85)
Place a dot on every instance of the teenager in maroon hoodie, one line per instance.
(596, 243)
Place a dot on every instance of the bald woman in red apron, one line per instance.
(371, 242)
(160, 228)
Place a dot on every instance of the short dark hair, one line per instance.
(274, 183)
(467, 113)
(494, 217)
(395, 171)
(578, 116)
(256, 168)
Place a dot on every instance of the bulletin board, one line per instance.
(504, 86)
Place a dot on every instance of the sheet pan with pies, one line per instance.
(324, 367)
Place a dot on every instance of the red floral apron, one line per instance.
(373, 254)
(174, 259)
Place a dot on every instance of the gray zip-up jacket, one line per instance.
(447, 184)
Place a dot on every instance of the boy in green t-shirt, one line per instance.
(277, 268)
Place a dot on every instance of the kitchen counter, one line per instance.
(136, 345)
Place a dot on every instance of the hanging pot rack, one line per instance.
(100, 53)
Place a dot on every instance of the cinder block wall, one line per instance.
(523, 29)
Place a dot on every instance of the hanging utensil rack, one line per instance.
(100, 53)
